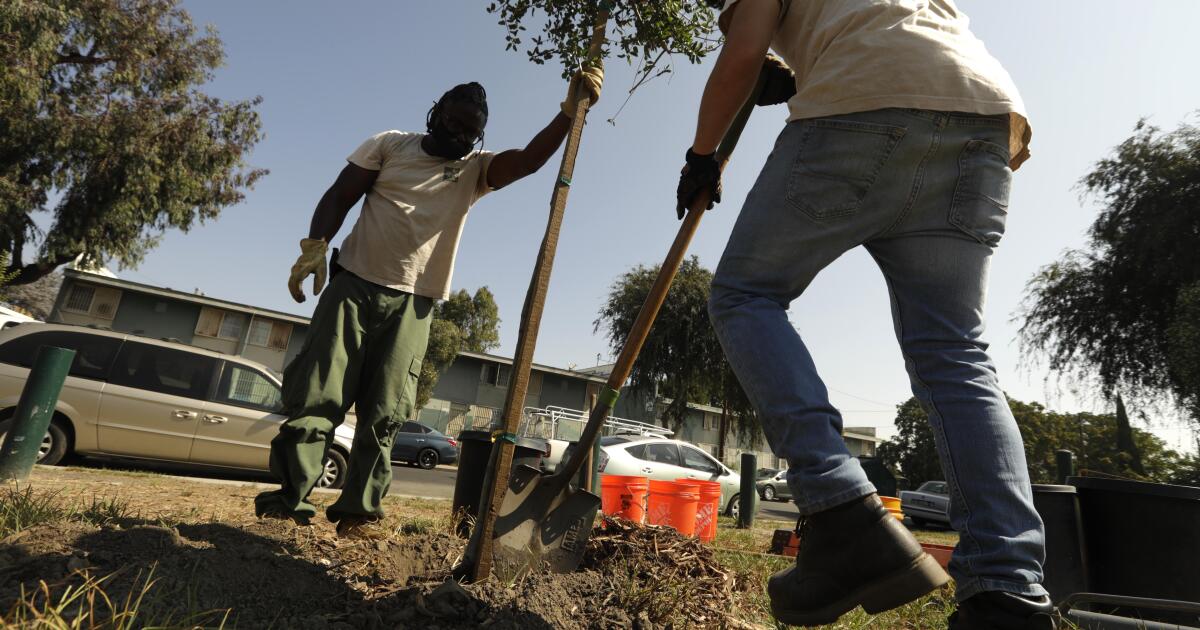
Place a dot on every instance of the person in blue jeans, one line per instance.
(902, 137)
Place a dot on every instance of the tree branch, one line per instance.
(89, 60)
(37, 270)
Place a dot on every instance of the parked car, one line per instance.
(927, 504)
(667, 460)
(765, 473)
(133, 397)
(10, 318)
(774, 488)
(424, 446)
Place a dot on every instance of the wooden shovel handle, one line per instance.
(479, 549)
(658, 292)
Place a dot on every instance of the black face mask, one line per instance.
(446, 144)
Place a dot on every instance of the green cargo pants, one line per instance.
(364, 347)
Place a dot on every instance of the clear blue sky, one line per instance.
(331, 74)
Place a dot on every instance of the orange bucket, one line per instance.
(893, 506)
(707, 509)
(674, 505)
(624, 496)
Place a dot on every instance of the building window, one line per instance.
(269, 334)
(232, 325)
(98, 302)
(710, 421)
(80, 299)
(221, 324)
(210, 322)
(260, 332)
(245, 387)
(495, 374)
(281, 335)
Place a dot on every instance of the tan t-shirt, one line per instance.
(407, 235)
(861, 55)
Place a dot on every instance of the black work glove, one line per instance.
(781, 82)
(700, 173)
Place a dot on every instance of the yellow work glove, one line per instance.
(586, 82)
(311, 261)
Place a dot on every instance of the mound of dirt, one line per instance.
(272, 573)
(684, 577)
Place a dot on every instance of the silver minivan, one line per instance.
(134, 397)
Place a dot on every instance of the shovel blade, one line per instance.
(542, 522)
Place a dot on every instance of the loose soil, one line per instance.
(208, 560)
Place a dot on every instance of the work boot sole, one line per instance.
(298, 519)
(886, 593)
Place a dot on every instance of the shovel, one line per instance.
(542, 520)
(477, 560)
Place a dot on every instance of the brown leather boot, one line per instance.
(299, 519)
(995, 610)
(361, 528)
(854, 554)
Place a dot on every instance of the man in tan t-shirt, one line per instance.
(902, 136)
(370, 329)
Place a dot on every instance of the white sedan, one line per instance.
(668, 460)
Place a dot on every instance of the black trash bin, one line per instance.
(1065, 571)
(882, 478)
(1142, 540)
(476, 451)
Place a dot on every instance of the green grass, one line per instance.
(87, 605)
(22, 508)
(746, 552)
(81, 600)
(102, 511)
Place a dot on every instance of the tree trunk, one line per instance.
(1125, 443)
(722, 429)
(37, 270)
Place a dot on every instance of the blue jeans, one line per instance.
(926, 194)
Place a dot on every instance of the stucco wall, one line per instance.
(157, 317)
(460, 381)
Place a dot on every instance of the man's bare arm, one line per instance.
(511, 165)
(733, 76)
(351, 184)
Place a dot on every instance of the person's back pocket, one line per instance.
(837, 163)
(980, 206)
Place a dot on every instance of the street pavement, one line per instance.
(439, 482)
(778, 512)
(410, 481)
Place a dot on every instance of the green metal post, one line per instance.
(34, 411)
(1064, 462)
(748, 500)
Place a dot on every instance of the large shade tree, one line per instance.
(445, 340)
(1093, 438)
(104, 126)
(36, 297)
(912, 451)
(1124, 308)
(462, 322)
(681, 360)
(477, 316)
(642, 33)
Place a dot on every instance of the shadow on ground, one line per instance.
(266, 574)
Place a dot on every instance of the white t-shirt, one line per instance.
(861, 55)
(407, 235)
